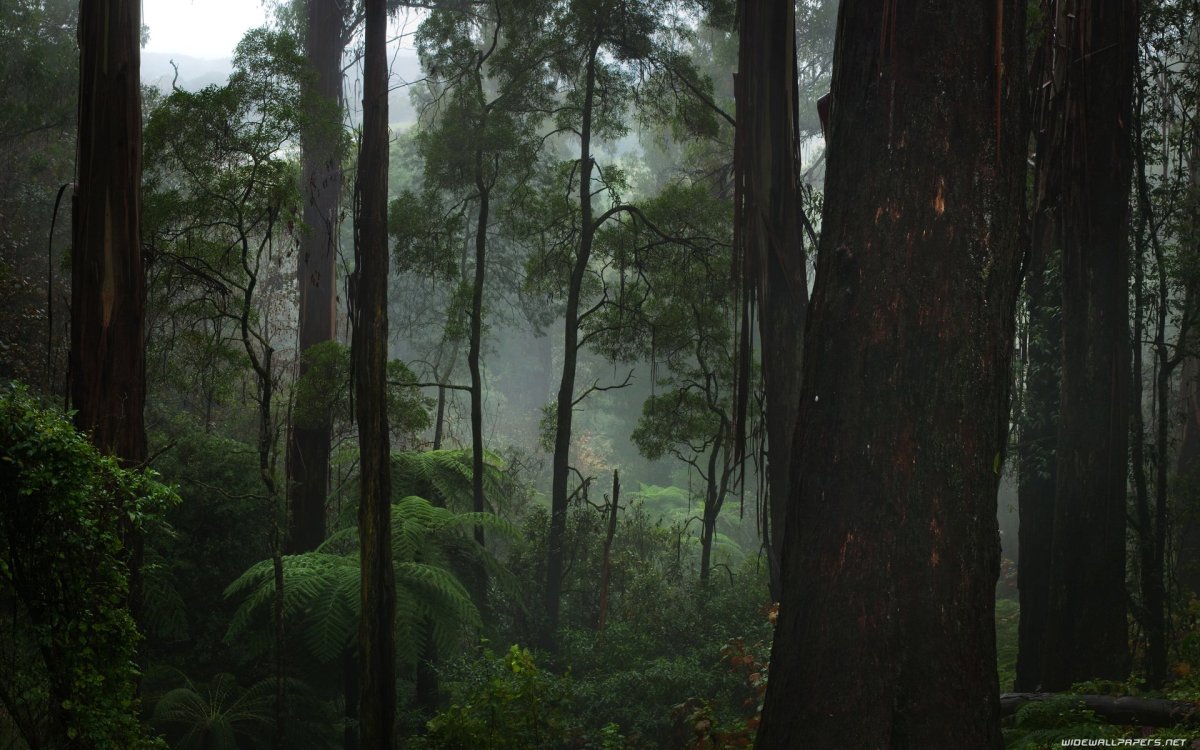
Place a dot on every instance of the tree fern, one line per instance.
(321, 588)
(214, 716)
(444, 477)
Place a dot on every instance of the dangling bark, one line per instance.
(886, 632)
(376, 645)
(1087, 635)
(309, 444)
(769, 219)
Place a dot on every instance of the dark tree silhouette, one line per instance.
(376, 644)
(1086, 633)
(769, 224)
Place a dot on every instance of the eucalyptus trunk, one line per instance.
(309, 444)
(560, 465)
(376, 644)
(108, 278)
(886, 631)
(1042, 348)
(1087, 633)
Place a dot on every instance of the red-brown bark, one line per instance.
(886, 636)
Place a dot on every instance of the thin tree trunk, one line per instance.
(610, 531)
(484, 194)
(350, 679)
(886, 632)
(560, 466)
(309, 444)
(376, 646)
(1152, 610)
(1087, 635)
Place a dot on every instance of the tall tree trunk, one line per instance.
(108, 279)
(1087, 635)
(769, 224)
(308, 447)
(1151, 525)
(376, 645)
(1187, 533)
(886, 633)
(560, 465)
(484, 192)
(1038, 427)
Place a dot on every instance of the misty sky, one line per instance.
(200, 28)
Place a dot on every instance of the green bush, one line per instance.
(506, 703)
(64, 582)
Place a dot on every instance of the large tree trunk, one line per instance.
(1087, 634)
(308, 448)
(560, 464)
(108, 280)
(376, 645)
(769, 225)
(1038, 426)
(886, 633)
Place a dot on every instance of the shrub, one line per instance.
(64, 583)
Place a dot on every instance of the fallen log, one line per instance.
(1145, 712)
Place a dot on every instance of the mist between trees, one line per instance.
(601, 374)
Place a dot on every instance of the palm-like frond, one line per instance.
(321, 588)
(214, 715)
(444, 477)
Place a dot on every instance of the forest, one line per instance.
(611, 374)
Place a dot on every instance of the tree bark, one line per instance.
(610, 531)
(376, 646)
(769, 223)
(108, 279)
(560, 464)
(1087, 635)
(1038, 426)
(308, 448)
(886, 632)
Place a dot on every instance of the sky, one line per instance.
(200, 28)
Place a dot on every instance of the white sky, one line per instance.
(200, 28)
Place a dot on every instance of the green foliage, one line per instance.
(1040, 725)
(322, 393)
(321, 588)
(444, 477)
(216, 715)
(64, 581)
(1007, 617)
(223, 715)
(506, 703)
